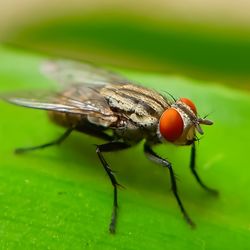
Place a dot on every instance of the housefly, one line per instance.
(106, 105)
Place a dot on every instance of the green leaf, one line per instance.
(60, 197)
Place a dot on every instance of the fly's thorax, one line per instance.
(129, 132)
(179, 123)
(138, 104)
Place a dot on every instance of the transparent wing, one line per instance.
(72, 72)
(77, 99)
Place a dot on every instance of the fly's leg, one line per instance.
(55, 142)
(192, 167)
(157, 159)
(111, 147)
(93, 131)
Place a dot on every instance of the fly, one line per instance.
(95, 101)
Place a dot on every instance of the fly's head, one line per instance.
(179, 123)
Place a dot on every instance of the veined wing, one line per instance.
(72, 72)
(77, 99)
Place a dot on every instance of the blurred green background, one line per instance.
(205, 40)
(60, 198)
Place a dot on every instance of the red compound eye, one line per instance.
(190, 104)
(171, 125)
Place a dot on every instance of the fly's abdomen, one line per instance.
(90, 107)
(65, 119)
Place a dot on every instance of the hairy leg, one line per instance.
(163, 162)
(111, 147)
